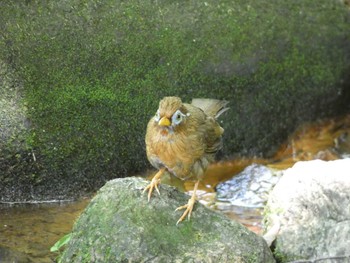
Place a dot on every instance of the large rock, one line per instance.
(17, 173)
(119, 225)
(309, 212)
(94, 71)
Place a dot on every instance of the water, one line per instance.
(28, 231)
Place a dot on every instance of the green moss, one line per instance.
(120, 224)
(280, 257)
(94, 71)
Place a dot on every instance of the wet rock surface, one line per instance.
(13, 113)
(308, 212)
(250, 188)
(119, 225)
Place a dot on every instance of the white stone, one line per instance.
(311, 206)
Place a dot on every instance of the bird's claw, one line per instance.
(188, 211)
(152, 185)
(189, 205)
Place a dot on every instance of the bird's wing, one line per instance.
(213, 136)
(212, 107)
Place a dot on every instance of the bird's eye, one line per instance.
(157, 116)
(177, 117)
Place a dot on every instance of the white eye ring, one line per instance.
(157, 116)
(177, 117)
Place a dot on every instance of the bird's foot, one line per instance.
(188, 206)
(188, 211)
(154, 184)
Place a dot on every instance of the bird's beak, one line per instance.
(164, 122)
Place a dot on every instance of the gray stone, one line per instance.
(119, 225)
(309, 213)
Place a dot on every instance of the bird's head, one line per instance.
(170, 113)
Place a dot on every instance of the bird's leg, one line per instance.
(154, 183)
(189, 205)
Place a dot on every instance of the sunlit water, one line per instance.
(27, 231)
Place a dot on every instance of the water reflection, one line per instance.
(248, 216)
(27, 231)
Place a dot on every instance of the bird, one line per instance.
(182, 139)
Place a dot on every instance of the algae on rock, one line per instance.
(120, 225)
(94, 71)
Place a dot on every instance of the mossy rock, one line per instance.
(13, 111)
(94, 71)
(120, 225)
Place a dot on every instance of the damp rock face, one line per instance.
(93, 72)
(119, 225)
(308, 212)
(13, 112)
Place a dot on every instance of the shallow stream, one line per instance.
(27, 231)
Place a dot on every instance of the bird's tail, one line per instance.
(211, 107)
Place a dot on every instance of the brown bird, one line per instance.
(182, 139)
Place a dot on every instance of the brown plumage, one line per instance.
(183, 139)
